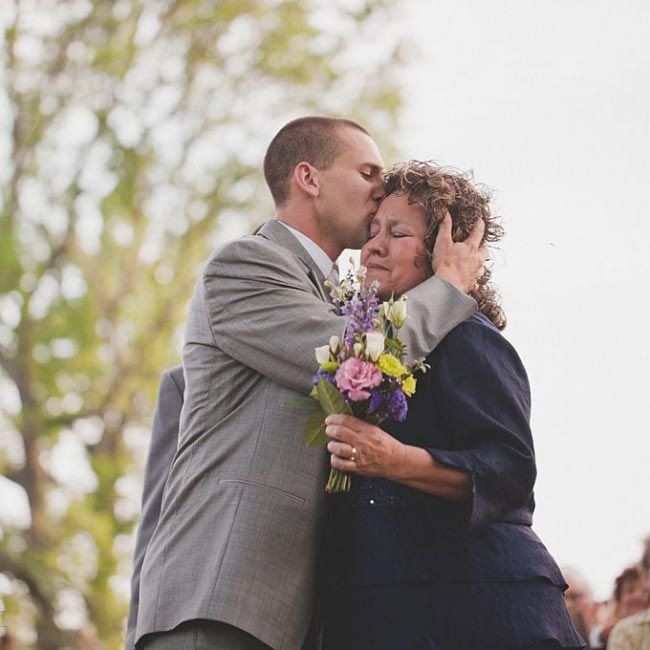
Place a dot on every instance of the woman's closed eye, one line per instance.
(394, 233)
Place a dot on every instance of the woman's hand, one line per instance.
(362, 448)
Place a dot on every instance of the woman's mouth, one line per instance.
(374, 265)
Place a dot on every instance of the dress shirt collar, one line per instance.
(317, 254)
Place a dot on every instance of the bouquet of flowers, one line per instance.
(364, 374)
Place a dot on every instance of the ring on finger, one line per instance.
(353, 455)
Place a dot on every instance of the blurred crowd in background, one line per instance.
(623, 621)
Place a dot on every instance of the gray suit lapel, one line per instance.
(276, 232)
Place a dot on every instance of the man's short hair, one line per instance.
(315, 140)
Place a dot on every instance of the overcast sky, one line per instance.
(549, 104)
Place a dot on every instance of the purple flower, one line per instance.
(323, 374)
(361, 310)
(388, 404)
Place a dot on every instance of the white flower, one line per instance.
(374, 345)
(399, 311)
(334, 344)
(336, 292)
(395, 311)
(322, 354)
(358, 349)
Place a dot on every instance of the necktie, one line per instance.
(333, 275)
(333, 279)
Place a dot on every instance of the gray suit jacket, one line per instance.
(241, 516)
(162, 447)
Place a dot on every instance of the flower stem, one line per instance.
(338, 482)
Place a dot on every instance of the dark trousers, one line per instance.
(202, 635)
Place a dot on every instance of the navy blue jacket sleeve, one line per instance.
(482, 393)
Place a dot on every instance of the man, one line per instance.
(232, 561)
(162, 447)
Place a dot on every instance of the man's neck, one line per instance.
(309, 228)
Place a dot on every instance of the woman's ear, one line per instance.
(307, 179)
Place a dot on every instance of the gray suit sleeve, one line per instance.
(264, 313)
(434, 308)
(162, 447)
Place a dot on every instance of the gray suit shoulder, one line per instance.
(251, 249)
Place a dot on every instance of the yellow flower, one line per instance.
(408, 385)
(391, 366)
(330, 366)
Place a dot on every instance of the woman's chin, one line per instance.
(372, 277)
(383, 293)
(386, 287)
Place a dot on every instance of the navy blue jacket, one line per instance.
(471, 411)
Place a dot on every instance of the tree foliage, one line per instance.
(131, 138)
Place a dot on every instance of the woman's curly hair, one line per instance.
(441, 190)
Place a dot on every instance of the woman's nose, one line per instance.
(378, 244)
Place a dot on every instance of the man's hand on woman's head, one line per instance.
(459, 263)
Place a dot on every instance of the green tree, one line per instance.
(131, 135)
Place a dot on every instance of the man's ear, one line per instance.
(307, 179)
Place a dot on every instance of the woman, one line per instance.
(630, 593)
(631, 597)
(433, 546)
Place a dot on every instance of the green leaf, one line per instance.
(303, 404)
(315, 430)
(330, 399)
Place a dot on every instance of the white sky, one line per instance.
(549, 104)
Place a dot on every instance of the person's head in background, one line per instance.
(631, 592)
(645, 557)
(579, 601)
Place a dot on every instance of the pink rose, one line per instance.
(357, 377)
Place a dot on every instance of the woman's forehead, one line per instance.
(396, 207)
